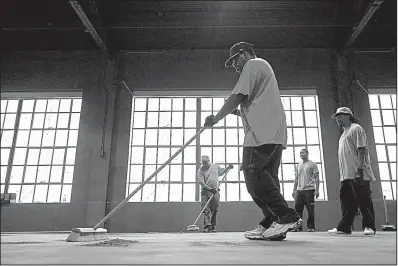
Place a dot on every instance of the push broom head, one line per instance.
(87, 235)
(192, 227)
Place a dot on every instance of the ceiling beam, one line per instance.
(370, 11)
(89, 26)
(33, 28)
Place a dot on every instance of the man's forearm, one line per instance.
(295, 185)
(224, 171)
(231, 104)
(317, 183)
(361, 154)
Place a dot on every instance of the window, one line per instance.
(38, 146)
(160, 126)
(303, 131)
(383, 108)
(222, 144)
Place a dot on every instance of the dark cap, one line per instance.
(236, 49)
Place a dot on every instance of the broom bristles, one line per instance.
(192, 227)
(87, 235)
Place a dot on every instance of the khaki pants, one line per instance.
(210, 212)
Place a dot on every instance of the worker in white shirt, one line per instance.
(306, 189)
(207, 176)
(355, 175)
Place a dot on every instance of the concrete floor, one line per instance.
(199, 248)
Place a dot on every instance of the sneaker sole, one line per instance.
(283, 230)
(274, 238)
(252, 237)
(277, 238)
(338, 233)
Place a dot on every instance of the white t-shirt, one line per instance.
(210, 176)
(263, 116)
(352, 139)
(305, 172)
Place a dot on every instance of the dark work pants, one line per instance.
(306, 198)
(210, 213)
(260, 167)
(354, 195)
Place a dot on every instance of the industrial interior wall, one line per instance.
(64, 72)
(98, 179)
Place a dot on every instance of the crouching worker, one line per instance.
(207, 176)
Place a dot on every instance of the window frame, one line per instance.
(391, 182)
(21, 97)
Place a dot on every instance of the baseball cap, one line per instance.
(236, 49)
(342, 110)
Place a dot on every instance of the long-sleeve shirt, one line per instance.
(210, 176)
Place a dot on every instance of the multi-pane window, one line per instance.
(160, 126)
(9, 110)
(384, 117)
(38, 139)
(222, 143)
(303, 131)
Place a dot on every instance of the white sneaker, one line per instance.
(277, 229)
(256, 233)
(368, 232)
(334, 231)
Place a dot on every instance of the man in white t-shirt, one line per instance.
(207, 176)
(264, 123)
(306, 189)
(355, 175)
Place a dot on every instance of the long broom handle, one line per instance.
(385, 209)
(207, 203)
(148, 179)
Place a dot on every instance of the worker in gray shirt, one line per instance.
(306, 189)
(355, 175)
(208, 175)
(264, 122)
